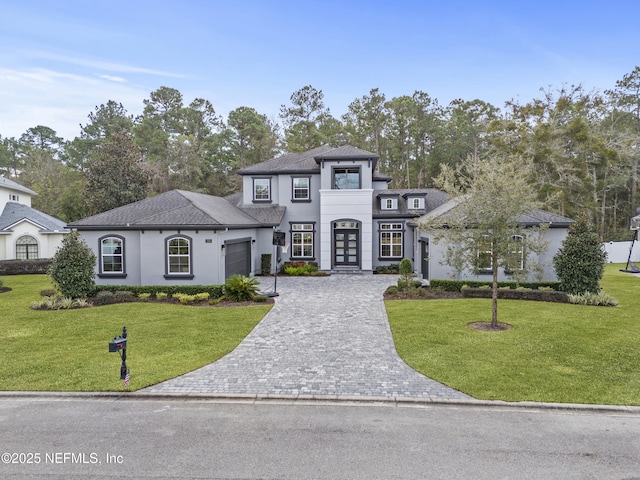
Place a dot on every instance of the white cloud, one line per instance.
(59, 100)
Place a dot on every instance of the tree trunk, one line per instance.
(494, 293)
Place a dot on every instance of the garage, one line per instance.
(237, 257)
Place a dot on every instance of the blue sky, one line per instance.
(59, 59)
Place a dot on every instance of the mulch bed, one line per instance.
(5, 289)
(486, 326)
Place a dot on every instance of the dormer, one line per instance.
(388, 201)
(415, 201)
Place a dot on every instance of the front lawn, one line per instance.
(67, 350)
(554, 352)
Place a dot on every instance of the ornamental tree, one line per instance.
(482, 228)
(72, 268)
(580, 261)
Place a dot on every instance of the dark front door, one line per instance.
(346, 251)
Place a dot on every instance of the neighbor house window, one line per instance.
(112, 255)
(515, 261)
(300, 188)
(485, 254)
(302, 240)
(262, 189)
(346, 178)
(26, 248)
(179, 256)
(391, 240)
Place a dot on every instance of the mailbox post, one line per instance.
(119, 344)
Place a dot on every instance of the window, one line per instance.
(389, 203)
(302, 240)
(262, 189)
(391, 240)
(300, 188)
(346, 178)
(112, 255)
(515, 261)
(13, 197)
(415, 203)
(26, 248)
(485, 254)
(178, 256)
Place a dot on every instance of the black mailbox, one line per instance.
(117, 344)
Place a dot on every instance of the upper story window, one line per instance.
(300, 189)
(346, 178)
(14, 198)
(389, 203)
(178, 256)
(261, 189)
(415, 203)
(112, 255)
(26, 248)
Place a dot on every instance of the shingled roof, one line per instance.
(6, 183)
(308, 161)
(15, 213)
(175, 209)
(433, 198)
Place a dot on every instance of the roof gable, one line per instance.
(15, 213)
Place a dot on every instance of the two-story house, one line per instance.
(26, 233)
(327, 205)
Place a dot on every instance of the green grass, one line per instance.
(553, 353)
(67, 350)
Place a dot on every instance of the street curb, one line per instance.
(303, 399)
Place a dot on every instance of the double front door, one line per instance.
(346, 244)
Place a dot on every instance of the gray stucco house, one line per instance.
(26, 233)
(331, 206)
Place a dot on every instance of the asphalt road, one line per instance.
(46, 438)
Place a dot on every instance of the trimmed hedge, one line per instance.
(214, 291)
(25, 267)
(456, 285)
(517, 294)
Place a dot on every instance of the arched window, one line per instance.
(112, 255)
(178, 256)
(26, 248)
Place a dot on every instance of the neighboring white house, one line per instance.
(329, 205)
(26, 233)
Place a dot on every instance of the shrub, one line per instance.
(161, 296)
(406, 273)
(301, 269)
(265, 264)
(144, 296)
(388, 269)
(184, 298)
(72, 267)
(44, 293)
(392, 290)
(239, 288)
(201, 297)
(215, 301)
(580, 261)
(589, 298)
(260, 298)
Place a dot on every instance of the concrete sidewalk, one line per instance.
(325, 337)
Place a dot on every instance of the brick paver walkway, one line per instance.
(325, 336)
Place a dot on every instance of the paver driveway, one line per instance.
(325, 336)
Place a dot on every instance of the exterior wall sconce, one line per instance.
(222, 247)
